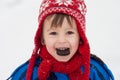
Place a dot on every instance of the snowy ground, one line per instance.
(18, 23)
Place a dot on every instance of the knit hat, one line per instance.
(76, 9)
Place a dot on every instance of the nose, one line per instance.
(62, 39)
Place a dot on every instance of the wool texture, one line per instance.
(76, 9)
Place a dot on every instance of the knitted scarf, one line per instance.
(78, 68)
(76, 9)
(71, 68)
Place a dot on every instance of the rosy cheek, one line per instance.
(75, 44)
(50, 47)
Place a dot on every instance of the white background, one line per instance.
(18, 24)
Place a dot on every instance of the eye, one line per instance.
(70, 32)
(53, 33)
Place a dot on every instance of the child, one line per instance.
(62, 50)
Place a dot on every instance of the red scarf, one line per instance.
(49, 64)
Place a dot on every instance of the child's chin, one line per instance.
(63, 58)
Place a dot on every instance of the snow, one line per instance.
(18, 24)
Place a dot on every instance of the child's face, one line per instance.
(61, 42)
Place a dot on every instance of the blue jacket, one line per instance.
(98, 71)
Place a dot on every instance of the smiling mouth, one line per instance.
(62, 51)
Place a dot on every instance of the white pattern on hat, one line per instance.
(65, 2)
(75, 8)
